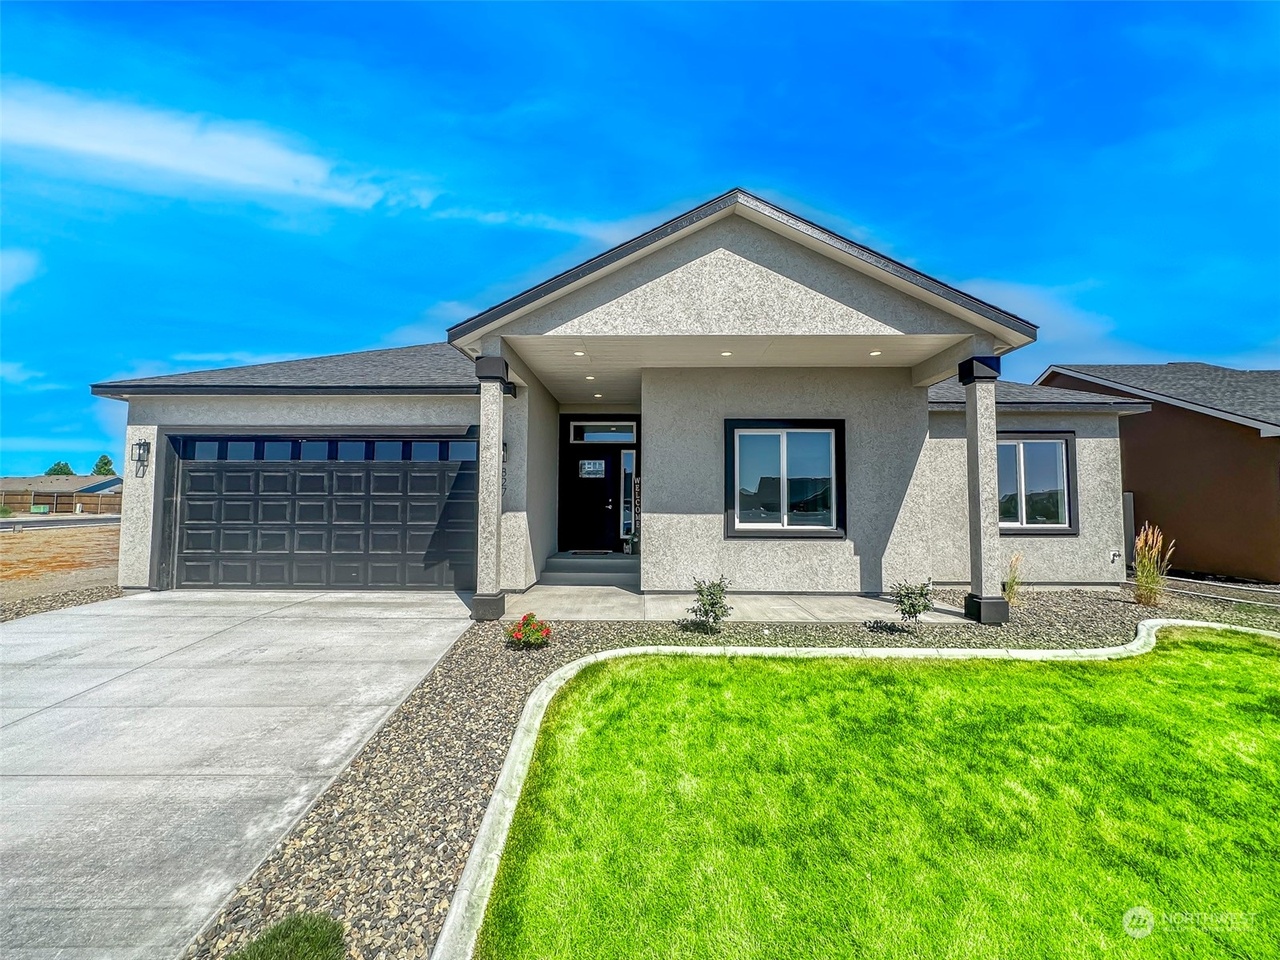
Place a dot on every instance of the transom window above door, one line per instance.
(618, 431)
(784, 478)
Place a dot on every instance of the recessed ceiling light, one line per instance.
(598, 395)
(726, 353)
(876, 353)
(579, 353)
(590, 378)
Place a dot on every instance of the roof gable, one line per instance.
(1005, 326)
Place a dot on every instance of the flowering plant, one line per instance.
(529, 633)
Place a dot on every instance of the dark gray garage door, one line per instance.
(349, 513)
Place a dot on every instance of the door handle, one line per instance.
(609, 505)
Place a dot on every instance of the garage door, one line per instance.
(346, 513)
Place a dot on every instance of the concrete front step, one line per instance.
(590, 578)
(620, 563)
(592, 570)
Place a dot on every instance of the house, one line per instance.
(61, 484)
(743, 391)
(1204, 464)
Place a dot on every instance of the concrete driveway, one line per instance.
(155, 748)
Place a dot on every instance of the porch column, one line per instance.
(489, 602)
(984, 601)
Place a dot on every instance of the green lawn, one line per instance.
(711, 808)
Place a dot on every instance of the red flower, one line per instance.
(546, 631)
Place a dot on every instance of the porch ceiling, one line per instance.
(616, 362)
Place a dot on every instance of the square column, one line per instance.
(489, 602)
(984, 602)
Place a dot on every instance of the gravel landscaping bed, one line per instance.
(384, 846)
(13, 609)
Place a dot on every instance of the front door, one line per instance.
(598, 469)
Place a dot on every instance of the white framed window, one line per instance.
(785, 478)
(1035, 484)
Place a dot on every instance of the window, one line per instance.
(784, 478)
(618, 432)
(1036, 483)
(241, 449)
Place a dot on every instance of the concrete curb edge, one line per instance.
(457, 940)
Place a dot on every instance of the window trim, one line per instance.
(1072, 527)
(732, 531)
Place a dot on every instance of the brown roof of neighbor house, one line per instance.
(1218, 391)
(54, 484)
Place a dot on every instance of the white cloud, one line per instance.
(609, 232)
(17, 267)
(15, 373)
(52, 445)
(1068, 333)
(236, 358)
(139, 143)
(18, 376)
(434, 321)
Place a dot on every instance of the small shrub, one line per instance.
(1013, 581)
(529, 633)
(5, 512)
(912, 599)
(303, 936)
(710, 607)
(1150, 565)
(883, 626)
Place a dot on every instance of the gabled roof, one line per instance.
(1247, 397)
(57, 483)
(431, 368)
(760, 210)
(1025, 396)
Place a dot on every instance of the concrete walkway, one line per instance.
(616, 603)
(155, 748)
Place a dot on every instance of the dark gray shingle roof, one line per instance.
(1026, 394)
(1245, 393)
(428, 368)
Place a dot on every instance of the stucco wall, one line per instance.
(154, 418)
(735, 277)
(682, 487)
(140, 509)
(1085, 558)
(529, 494)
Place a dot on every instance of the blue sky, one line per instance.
(199, 185)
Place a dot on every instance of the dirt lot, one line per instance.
(35, 562)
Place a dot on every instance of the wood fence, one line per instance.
(22, 501)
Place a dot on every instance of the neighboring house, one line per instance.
(61, 484)
(745, 392)
(1204, 464)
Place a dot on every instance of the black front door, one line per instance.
(592, 499)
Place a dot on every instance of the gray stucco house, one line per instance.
(738, 392)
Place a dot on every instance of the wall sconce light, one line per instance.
(140, 455)
(504, 452)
